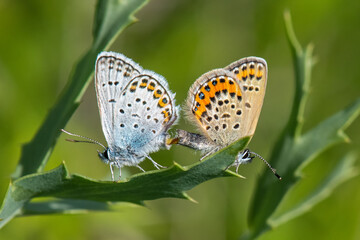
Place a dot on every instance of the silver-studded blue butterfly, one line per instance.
(136, 109)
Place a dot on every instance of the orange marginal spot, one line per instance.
(252, 71)
(219, 86)
(203, 102)
(143, 84)
(207, 94)
(163, 103)
(212, 91)
(151, 86)
(157, 94)
(259, 74)
(198, 113)
(132, 88)
(232, 87)
(244, 73)
(166, 113)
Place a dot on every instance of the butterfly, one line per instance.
(225, 104)
(136, 110)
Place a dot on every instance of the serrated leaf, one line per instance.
(171, 182)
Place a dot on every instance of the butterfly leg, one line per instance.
(119, 173)
(140, 168)
(158, 166)
(112, 171)
(214, 150)
(233, 164)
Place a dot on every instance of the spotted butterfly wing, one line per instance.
(143, 113)
(113, 71)
(252, 73)
(136, 109)
(216, 104)
(225, 106)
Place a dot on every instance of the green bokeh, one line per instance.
(41, 40)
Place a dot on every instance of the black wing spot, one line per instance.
(201, 95)
(204, 114)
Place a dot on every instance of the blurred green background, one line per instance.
(41, 40)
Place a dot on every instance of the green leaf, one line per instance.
(112, 16)
(170, 182)
(294, 150)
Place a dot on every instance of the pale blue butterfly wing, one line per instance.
(143, 113)
(136, 109)
(113, 71)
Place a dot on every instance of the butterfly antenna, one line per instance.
(268, 164)
(89, 140)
